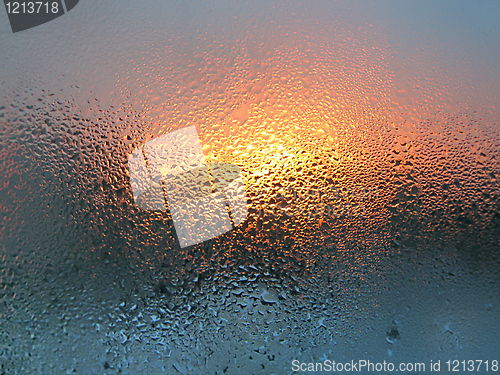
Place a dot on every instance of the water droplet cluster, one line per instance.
(361, 190)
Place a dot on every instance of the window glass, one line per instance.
(250, 187)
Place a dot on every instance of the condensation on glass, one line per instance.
(347, 154)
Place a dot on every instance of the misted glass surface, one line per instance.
(366, 136)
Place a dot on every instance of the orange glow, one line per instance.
(301, 118)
